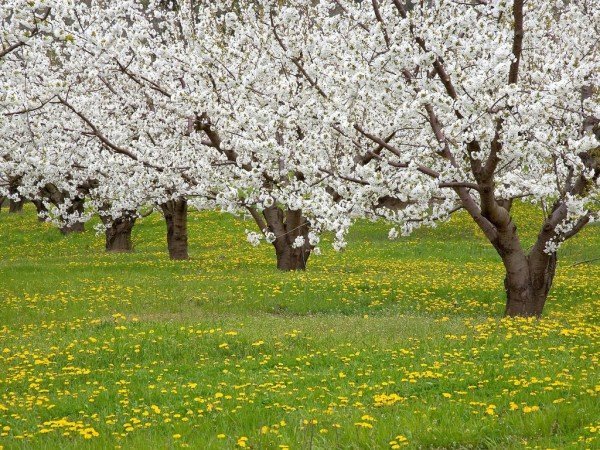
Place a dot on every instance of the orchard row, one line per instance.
(306, 116)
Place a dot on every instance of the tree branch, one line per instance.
(296, 60)
(425, 170)
(381, 22)
(262, 225)
(34, 32)
(458, 184)
(517, 48)
(105, 141)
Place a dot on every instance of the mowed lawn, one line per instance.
(391, 344)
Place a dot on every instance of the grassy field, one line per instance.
(388, 345)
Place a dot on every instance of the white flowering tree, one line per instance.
(254, 109)
(27, 34)
(470, 105)
(307, 114)
(37, 155)
(21, 22)
(196, 102)
(190, 97)
(89, 128)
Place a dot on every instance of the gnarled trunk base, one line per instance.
(15, 202)
(16, 206)
(41, 210)
(291, 230)
(77, 227)
(289, 258)
(118, 235)
(175, 212)
(77, 207)
(527, 290)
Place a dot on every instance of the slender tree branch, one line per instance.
(425, 170)
(381, 22)
(458, 184)
(517, 48)
(34, 32)
(262, 225)
(296, 60)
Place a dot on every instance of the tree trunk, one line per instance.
(287, 227)
(76, 227)
(41, 210)
(77, 207)
(527, 287)
(15, 206)
(289, 258)
(118, 235)
(175, 212)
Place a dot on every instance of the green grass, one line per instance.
(387, 339)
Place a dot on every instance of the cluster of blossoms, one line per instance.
(307, 115)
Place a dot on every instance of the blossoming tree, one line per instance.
(20, 22)
(177, 94)
(307, 114)
(255, 112)
(468, 106)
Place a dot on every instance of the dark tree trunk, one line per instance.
(289, 258)
(58, 198)
(41, 210)
(76, 227)
(175, 212)
(15, 206)
(118, 235)
(77, 207)
(287, 227)
(527, 289)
